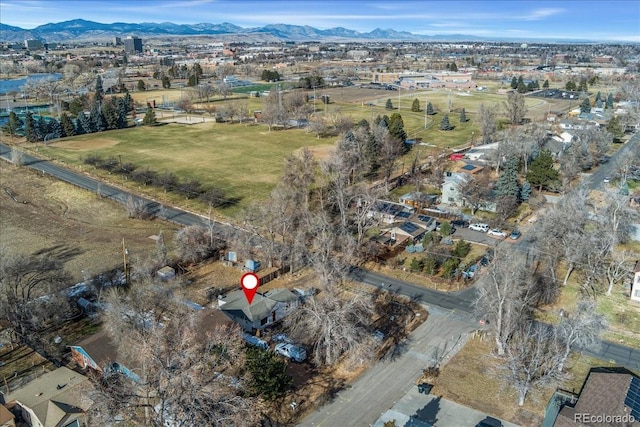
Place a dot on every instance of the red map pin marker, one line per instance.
(249, 283)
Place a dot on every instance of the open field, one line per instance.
(245, 161)
(471, 377)
(85, 232)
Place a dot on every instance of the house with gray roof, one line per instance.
(57, 398)
(266, 308)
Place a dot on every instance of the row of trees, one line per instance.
(586, 237)
(168, 181)
(110, 114)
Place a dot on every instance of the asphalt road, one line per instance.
(388, 380)
(460, 302)
(595, 180)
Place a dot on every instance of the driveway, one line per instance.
(418, 410)
(382, 385)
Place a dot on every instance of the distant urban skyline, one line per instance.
(589, 19)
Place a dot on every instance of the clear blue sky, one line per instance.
(582, 19)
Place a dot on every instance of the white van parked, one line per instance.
(293, 352)
(479, 227)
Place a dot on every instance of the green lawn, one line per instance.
(247, 161)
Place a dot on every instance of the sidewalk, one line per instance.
(418, 410)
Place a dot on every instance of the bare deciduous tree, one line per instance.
(532, 359)
(17, 156)
(506, 297)
(476, 190)
(194, 243)
(29, 294)
(514, 107)
(184, 376)
(488, 123)
(579, 329)
(333, 326)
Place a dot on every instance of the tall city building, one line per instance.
(133, 44)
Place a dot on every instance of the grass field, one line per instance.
(246, 161)
(71, 224)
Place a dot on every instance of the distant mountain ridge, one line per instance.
(81, 29)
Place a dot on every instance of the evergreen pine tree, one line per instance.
(396, 127)
(585, 107)
(68, 129)
(13, 125)
(96, 118)
(128, 103)
(41, 129)
(609, 103)
(99, 90)
(444, 123)
(149, 117)
(507, 185)
(430, 110)
(30, 127)
(83, 124)
(525, 191)
(141, 86)
(453, 67)
(514, 83)
(110, 114)
(545, 85)
(388, 105)
(54, 128)
(415, 106)
(541, 172)
(463, 116)
(598, 96)
(615, 128)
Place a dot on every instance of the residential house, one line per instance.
(609, 397)
(417, 199)
(55, 399)
(451, 193)
(100, 354)
(386, 212)
(635, 286)
(265, 309)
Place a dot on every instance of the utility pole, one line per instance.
(125, 252)
(426, 102)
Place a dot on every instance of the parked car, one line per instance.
(497, 233)
(606, 179)
(291, 351)
(460, 223)
(479, 227)
(471, 271)
(255, 341)
(515, 235)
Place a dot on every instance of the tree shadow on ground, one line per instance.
(61, 252)
(427, 414)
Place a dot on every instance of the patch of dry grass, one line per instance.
(471, 378)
